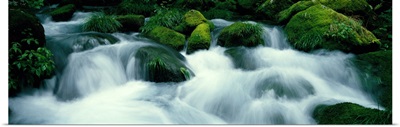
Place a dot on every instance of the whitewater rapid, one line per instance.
(272, 84)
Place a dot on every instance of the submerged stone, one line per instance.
(158, 64)
(242, 58)
(350, 113)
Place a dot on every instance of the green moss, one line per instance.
(241, 34)
(200, 38)
(349, 113)
(102, 23)
(271, 8)
(193, 18)
(378, 67)
(158, 64)
(347, 7)
(285, 15)
(321, 27)
(130, 22)
(167, 37)
(63, 13)
(169, 18)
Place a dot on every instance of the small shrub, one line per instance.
(28, 67)
(102, 23)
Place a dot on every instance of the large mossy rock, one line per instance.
(157, 64)
(130, 22)
(271, 8)
(241, 34)
(23, 25)
(200, 38)
(347, 7)
(377, 70)
(350, 113)
(320, 27)
(63, 13)
(191, 19)
(167, 37)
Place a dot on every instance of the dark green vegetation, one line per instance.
(130, 22)
(363, 27)
(63, 13)
(102, 23)
(29, 61)
(349, 113)
(378, 66)
(241, 34)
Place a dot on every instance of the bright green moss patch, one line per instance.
(320, 27)
(193, 18)
(63, 13)
(350, 113)
(167, 37)
(130, 22)
(285, 15)
(241, 34)
(347, 6)
(200, 38)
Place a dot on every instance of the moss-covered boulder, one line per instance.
(350, 113)
(23, 25)
(63, 13)
(191, 19)
(376, 70)
(130, 22)
(241, 34)
(285, 15)
(200, 38)
(157, 64)
(271, 8)
(348, 7)
(320, 27)
(167, 37)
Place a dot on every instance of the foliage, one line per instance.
(102, 23)
(28, 67)
(35, 4)
(218, 14)
(241, 34)
(270, 8)
(164, 17)
(383, 28)
(142, 7)
(350, 113)
(186, 73)
(63, 13)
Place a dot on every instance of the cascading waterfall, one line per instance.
(273, 84)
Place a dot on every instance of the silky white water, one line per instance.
(283, 86)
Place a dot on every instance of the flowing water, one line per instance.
(272, 84)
